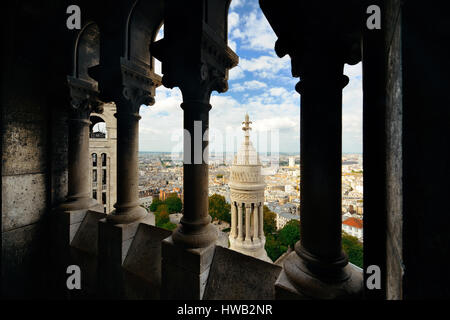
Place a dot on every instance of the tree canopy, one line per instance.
(219, 208)
(353, 248)
(270, 224)
(290, 233)
(155, 203)
(173, 203)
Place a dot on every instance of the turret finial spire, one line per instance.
(246, 124)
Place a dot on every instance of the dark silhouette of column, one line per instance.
(83, 103)
(318, 268)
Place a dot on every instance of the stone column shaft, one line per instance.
(196, 230)
(79, 159)
(79, 193)
(127, 205)
(261, 220)
(240, 222)
(127, 208)
(320, 158)
(248, 212)
(255, 223)
(233, 220)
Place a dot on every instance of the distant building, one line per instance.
(284, 217)
(354, 227)
(291, 162)
(103, 148)
(247, 200)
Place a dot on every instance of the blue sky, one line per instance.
(261, 85)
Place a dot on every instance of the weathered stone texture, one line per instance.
(236, 276)
(394, 109)
(23, 200)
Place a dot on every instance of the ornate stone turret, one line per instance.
(247, 200)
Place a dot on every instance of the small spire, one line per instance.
(246, 124)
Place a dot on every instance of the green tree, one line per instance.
(290, 233)
(219, 208)
(270, 224)
(273, 247)
(168, 226)
(155, 203)
(353, 248)
(161, 215)
(173, 203)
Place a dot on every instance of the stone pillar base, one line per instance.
(114, 241)
(184, 271)
(307, 285)
(70, 226)
(69, 221)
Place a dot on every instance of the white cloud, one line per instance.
(257, 34)
(236, 3)
(277, 92)
(232, 44)
(265, 66)
(248, 85)
(236, 73)
(233, 21)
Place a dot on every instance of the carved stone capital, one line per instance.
(135, 98)
(208, 71)
(84, 98)
(139, 84)
(314, 35)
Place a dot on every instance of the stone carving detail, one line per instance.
(250, 177)
(137, 97)
(247, 197)
(84, 98)
(139, 84)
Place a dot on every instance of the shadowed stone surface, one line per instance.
(236, 276)
(144, 255)
(23, 200)
(86, 237)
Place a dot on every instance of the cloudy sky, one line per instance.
(261, 85)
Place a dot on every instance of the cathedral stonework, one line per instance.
(247, 200)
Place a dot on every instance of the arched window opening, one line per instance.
(94, 159)
(104, 179)
(103, 159)
(156, 63)
(97, 128)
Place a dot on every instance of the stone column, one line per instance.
(248, 213)
(240, 223)
(255, 223)
(233, 220)
(127, 208)
(200, 69)
(195, 229)
(117, 231)
(79, 192)
(261, 221)
(79, 202)
(318, 267)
